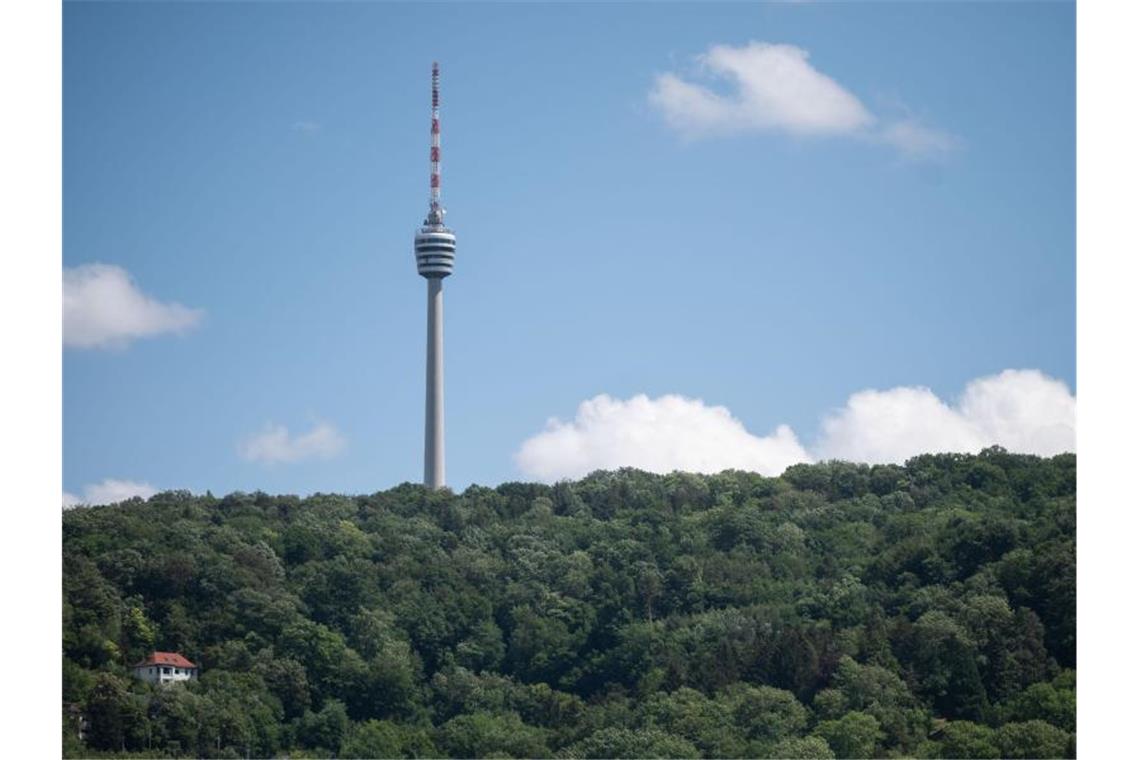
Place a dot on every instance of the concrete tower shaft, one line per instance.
(434, 473)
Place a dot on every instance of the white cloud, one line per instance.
(777, 89)
(659, 435)
(917, 141)
(275, 444)
(1022, 410)
(306, 127)
(102, 308)
(110, 491)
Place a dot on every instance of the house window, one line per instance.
(166, 671)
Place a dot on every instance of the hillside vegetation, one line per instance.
(842, 610)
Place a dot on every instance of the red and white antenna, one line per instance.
(436, 212)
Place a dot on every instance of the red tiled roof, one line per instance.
(173, 659)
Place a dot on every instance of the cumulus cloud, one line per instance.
(102, 308)
(276, 444)
(659, 435)
(777, 89)
(110, 491)
(1024, 411)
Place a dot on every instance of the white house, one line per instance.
(166, 667)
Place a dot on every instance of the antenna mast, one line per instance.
(435, 213)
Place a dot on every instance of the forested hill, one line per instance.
(838, 610)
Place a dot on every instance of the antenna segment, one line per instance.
(435, 214)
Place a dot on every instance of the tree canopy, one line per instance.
(840, 610)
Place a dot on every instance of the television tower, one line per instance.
(435, 257)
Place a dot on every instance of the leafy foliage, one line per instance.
(841, 610)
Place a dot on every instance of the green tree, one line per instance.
(179, 721)
(330, 666)
(830, 703)
(487, 735)
(325, 729)
(1031, 739)
(806, 748)
(287, 680)
(946, 659)
(384, 739)
(1045, 702)
(764, 713)
(855, 735)
(618, 742)
(138, 633)
(387, 685)
(707, 723)
(77, 682)
(882, 694)
(111, 710)
(963, 739)
(483, 649)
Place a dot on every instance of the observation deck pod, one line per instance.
(435, 251)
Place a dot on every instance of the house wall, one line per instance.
(155, 674)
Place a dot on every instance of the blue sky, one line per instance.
(266, 164)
